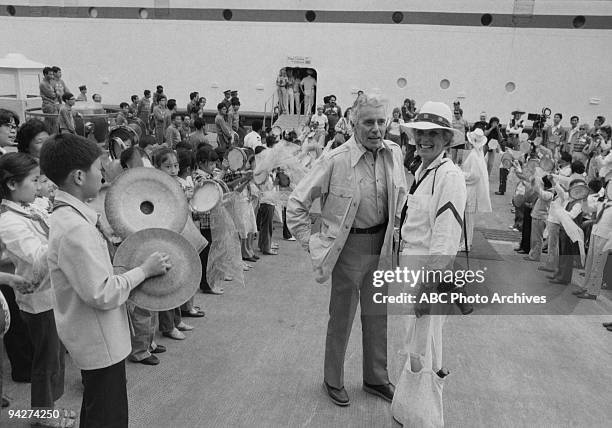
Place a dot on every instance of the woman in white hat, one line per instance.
(474, 169)
(430, 232)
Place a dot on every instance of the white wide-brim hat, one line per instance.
(434, 115)
(477, 138)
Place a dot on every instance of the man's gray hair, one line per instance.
(369, 100)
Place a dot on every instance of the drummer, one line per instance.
(124, 111)
(207, 159)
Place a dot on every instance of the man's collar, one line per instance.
(85, 210)
(357, 150)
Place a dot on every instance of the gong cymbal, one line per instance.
(144, 198)
(177, 285)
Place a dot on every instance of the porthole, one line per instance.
(143, 13)
(510, 87)
(93, 12)
(397, 17)
(444, 84)
(402, 82)
(11, 10)
(311, 16)
(227, 14)
(486, 19)
(579, 21)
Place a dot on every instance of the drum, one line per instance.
(119, 139)
(580, 191)
(547, 164)
(207, 196)
(237, 158)
(138, 126)
(506, 160)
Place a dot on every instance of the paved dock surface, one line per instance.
(256, 359)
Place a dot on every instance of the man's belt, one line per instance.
(370, 230)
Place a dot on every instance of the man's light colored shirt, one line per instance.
(371, 178)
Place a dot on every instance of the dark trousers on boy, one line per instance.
(105, 402)
(48, 359)
(17, 341)
(265, 216)
(204, 285)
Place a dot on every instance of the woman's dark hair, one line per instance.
(14, 167)
(493, 119)
(63, 153)
(206, 154)
(129, 153)
(161, 155)
(146, 140)
(186, 160)
(27, 133)
(7, 115)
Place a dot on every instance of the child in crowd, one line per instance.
(207, 159)
(265, 214)
(186, 160)
(170, 322)
(122, 115)
(89, 299)
(600, 245)
(144, 322)
(568, 250)
(539, 214)
(23, 286)
(24, 232)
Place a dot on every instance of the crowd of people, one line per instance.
(63, 274)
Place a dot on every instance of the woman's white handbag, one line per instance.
(418, 395)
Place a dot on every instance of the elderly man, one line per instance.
(362, 188)
(431, 231)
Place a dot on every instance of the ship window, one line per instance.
(311, 16)
(11, 10)
(397, 17)
(143, 13)
(93, 12)
(510, 87)
(227, 14)
(444, 84)
(486, 19)
(402, 82)
(579, 21)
